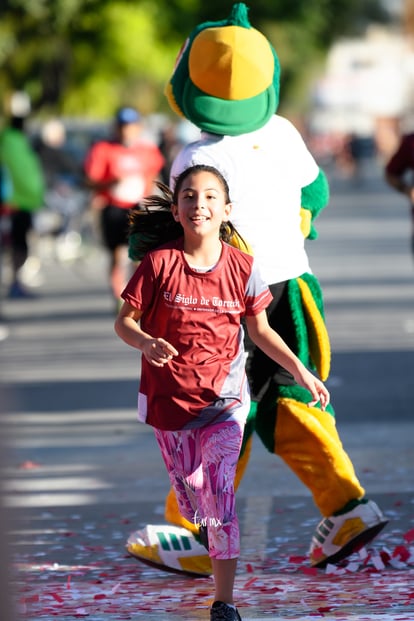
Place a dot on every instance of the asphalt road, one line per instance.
(80, 474)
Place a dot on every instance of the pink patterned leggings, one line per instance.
(201, 464)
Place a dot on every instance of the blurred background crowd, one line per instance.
(347, 83)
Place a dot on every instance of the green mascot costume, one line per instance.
(226, 82)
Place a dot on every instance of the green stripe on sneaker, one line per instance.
(163, 541)
(323, 530)
(175, 542)
(319, 538)
(327, 525)
(186, 543)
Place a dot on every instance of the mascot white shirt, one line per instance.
(274, 155)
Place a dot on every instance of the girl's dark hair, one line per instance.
(152, 223)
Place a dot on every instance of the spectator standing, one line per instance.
(23, 189)
(121, 172)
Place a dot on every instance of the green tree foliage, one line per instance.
(85, 57)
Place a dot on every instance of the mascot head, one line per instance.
(226, 77)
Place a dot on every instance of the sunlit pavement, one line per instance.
(80, 474)
(70, 563)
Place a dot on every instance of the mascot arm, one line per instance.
(315, 197)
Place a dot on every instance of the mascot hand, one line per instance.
(314, 198)
(305, 222)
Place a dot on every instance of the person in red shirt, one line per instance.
(183, 309)
(121, 172)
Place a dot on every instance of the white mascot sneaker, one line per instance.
(337, 537)
(170, 548)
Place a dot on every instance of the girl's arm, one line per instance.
(274, 346)
(157, 351)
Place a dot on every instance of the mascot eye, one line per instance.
(181, 52)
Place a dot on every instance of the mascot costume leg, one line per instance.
(226, 82)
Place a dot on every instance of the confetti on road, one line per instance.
(117, 587)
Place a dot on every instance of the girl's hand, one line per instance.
(316, 387)
(320, 393)
(158, 352)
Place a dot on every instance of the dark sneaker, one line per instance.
(222, 612)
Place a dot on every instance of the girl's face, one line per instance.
(201, 204)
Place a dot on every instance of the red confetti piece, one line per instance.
(318, 553)
(409, 536)
(56, 597)
(250, 582)
(249, 568)
(99, 596)
(297, 559)
(309, 571)
(385, 557)
(401, 553)
(273, 590)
